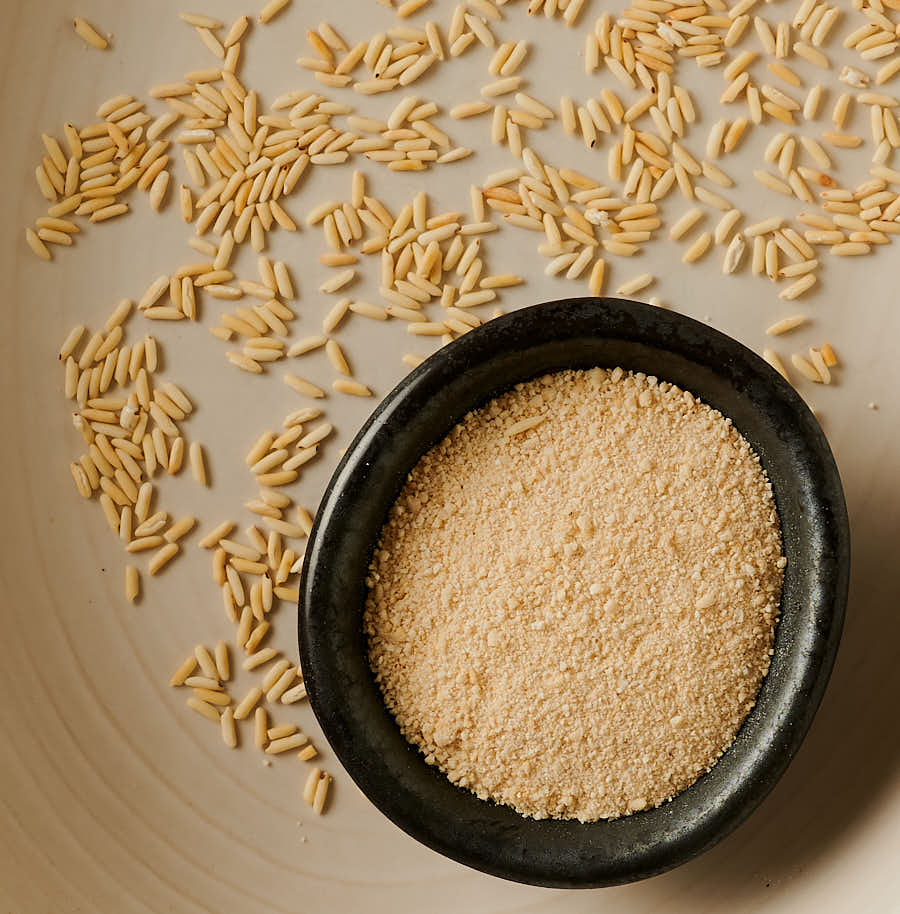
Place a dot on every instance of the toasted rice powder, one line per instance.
(576, 619)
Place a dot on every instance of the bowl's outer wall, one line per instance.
(575, 333)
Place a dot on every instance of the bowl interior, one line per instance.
(575, 333)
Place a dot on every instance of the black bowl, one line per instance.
(575, 333)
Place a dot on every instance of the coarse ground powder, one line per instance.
(574, 619)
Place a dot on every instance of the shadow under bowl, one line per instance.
(419, 412)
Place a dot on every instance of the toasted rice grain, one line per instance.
(324, 782)
(309, 789)
(684, 223)
(204, 709)
(132, 583)
(773, 359)
(636, 284)
(698, 248)
(819, 364)
(272, 9)
(336, 357)
(354, 388)
(797, 288)
(90, 35)
(306, 388)
(805, 368)
(786, 324)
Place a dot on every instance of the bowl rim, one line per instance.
(565, 319)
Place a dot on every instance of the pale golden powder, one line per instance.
(573, 601)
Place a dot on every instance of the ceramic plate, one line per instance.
(115, 796)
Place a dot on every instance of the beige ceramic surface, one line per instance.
(116, 798)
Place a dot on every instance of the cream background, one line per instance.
(116, 798)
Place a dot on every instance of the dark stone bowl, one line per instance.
(575, 333)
